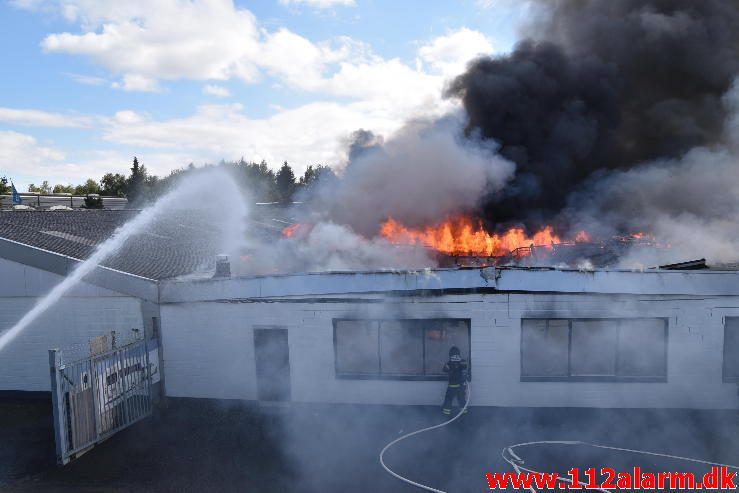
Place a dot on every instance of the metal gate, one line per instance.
(98, 395)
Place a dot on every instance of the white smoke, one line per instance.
(418, 177)
(426, 172)
(333, 247)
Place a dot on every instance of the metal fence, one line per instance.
(99, 395)
(40, 201)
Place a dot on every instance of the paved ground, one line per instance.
(217, 447)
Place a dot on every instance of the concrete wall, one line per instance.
(85, 312)
(209, 353)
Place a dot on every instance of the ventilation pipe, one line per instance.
(223, 267)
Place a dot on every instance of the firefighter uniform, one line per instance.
(458, 371)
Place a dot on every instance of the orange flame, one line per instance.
(290, 230)
(461, 236)
(582, 237)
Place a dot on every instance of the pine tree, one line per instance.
(136, 182)
(285, 181)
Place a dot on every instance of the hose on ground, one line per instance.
(417, 432)
(514, 460)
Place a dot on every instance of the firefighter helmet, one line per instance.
(454, 354)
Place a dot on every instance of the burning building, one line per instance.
(535, 336)
(521, 229)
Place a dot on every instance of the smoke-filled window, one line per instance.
(593, 347)
(545, 344)
(358, 344)
(731, 349)
(406, 348)
(401, 348)
(632, 349)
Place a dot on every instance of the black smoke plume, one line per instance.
(600, 86)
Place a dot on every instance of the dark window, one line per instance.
(594, 349)
(403, 349)
(731, 349)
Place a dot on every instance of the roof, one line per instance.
(170, 252)
(457, 280)
(182, 244)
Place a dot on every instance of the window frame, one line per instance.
(395, 376)
(595, 378)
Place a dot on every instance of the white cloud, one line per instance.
(25, 160)
(88, 80)
(142, 42)
(136, 82)
(146, 40)
(128, 117)
(21, 153)
(38, 118)
(348, 68)
(309, 134)
(218, 91)
(320, 4)
(449, 54)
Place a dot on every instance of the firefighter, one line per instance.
(458, 371)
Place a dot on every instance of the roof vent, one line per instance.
(223, 267)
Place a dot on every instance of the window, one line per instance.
(359, 350)
(414, 349)
(594, 349)
(731, 349)
(545, 345)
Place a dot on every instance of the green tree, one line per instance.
(87, 188)
(44, 188)
(285, 182)
(257, 178)
(4, 187)
(313, 175)
(59, 188)
(136, 182)
(113, 185)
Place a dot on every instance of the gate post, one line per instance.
(57, 401)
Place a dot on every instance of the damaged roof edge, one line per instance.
(694, 283)
(104, 277)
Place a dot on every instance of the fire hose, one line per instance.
(418, 432)
(515, 461)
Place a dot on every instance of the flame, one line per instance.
(290, 230)
(460, 235)
(582, 237)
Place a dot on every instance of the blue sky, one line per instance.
(88, 84)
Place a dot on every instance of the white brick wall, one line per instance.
(208, 350)
(87, 311)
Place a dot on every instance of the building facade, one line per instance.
(535, 337)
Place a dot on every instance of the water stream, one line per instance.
(227, 200)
